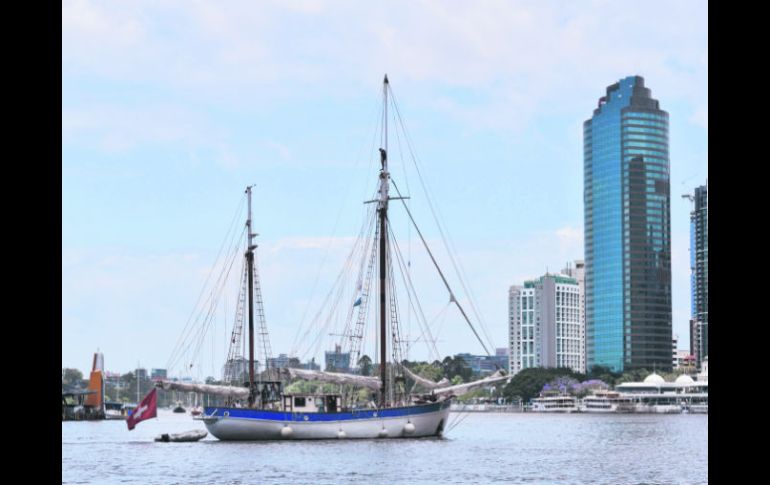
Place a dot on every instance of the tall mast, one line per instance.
(250, 262)
(383, 214)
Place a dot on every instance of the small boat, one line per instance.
(115, 410)
(193, 435)
(179, 408)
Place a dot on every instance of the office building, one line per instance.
(627, 230)
(699, 275)
(337, 361)
(544, 328)
(578, 272)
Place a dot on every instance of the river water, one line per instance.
(527, 448)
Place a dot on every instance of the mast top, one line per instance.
(386, 79)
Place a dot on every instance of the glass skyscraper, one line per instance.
(627, 230)
(699, 277)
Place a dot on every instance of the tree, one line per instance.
(456, 366)
(603, 373)
(365, 364)
(634, 375)
(72, 376)
(530, 382)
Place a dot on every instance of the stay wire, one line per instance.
(437, 219)
(211, 271)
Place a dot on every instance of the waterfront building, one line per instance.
(699, 274)
(578, 271)
(337, 361)
(485, 364)
(514, 329)
(141, 374)
(684, 360)
(703, 375)
(627, 230)
(504, 354)
(280, 362)
(236, 370)
(544, 328)
(158, 374)
(310, 365)
(655, 395)
(674, 343)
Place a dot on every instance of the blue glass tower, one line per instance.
(627, 230)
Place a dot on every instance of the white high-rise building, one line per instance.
(546, 328)
(578, 271)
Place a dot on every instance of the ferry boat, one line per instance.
(698, 408)
(606, 402)
(555, 404)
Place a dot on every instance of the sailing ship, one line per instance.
(262, 409)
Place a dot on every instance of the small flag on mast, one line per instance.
(360, 294)
(147, 409)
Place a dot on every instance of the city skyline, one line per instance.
(157, 149)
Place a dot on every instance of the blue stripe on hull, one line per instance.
(346, 416)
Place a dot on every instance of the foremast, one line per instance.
(382, 211)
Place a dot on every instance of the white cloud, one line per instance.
(701, 117)
(521, 54)
(570, 237)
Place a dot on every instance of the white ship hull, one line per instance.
(659, 408)
(409, 422)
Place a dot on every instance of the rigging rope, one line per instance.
(418, 310)
(437, 219)
(197, 333)
(295, 342)
(451, 294)
(211, 271)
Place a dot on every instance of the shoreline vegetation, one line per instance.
(527, 384)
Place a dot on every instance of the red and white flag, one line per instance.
(147, 409)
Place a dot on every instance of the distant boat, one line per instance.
(555, 404)
(606, 402)
(115, 410)
(194, 435)
(179, 408)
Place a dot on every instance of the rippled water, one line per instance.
(483, 448)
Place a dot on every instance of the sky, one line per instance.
(170, 109)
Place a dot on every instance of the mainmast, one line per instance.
(250, 262)
(383, 215)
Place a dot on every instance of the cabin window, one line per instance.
(299, 402)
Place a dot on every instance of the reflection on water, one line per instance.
(510, 448)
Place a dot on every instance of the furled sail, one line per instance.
(426, 383)
(227, 391)
(461, 389)
(373, 383)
